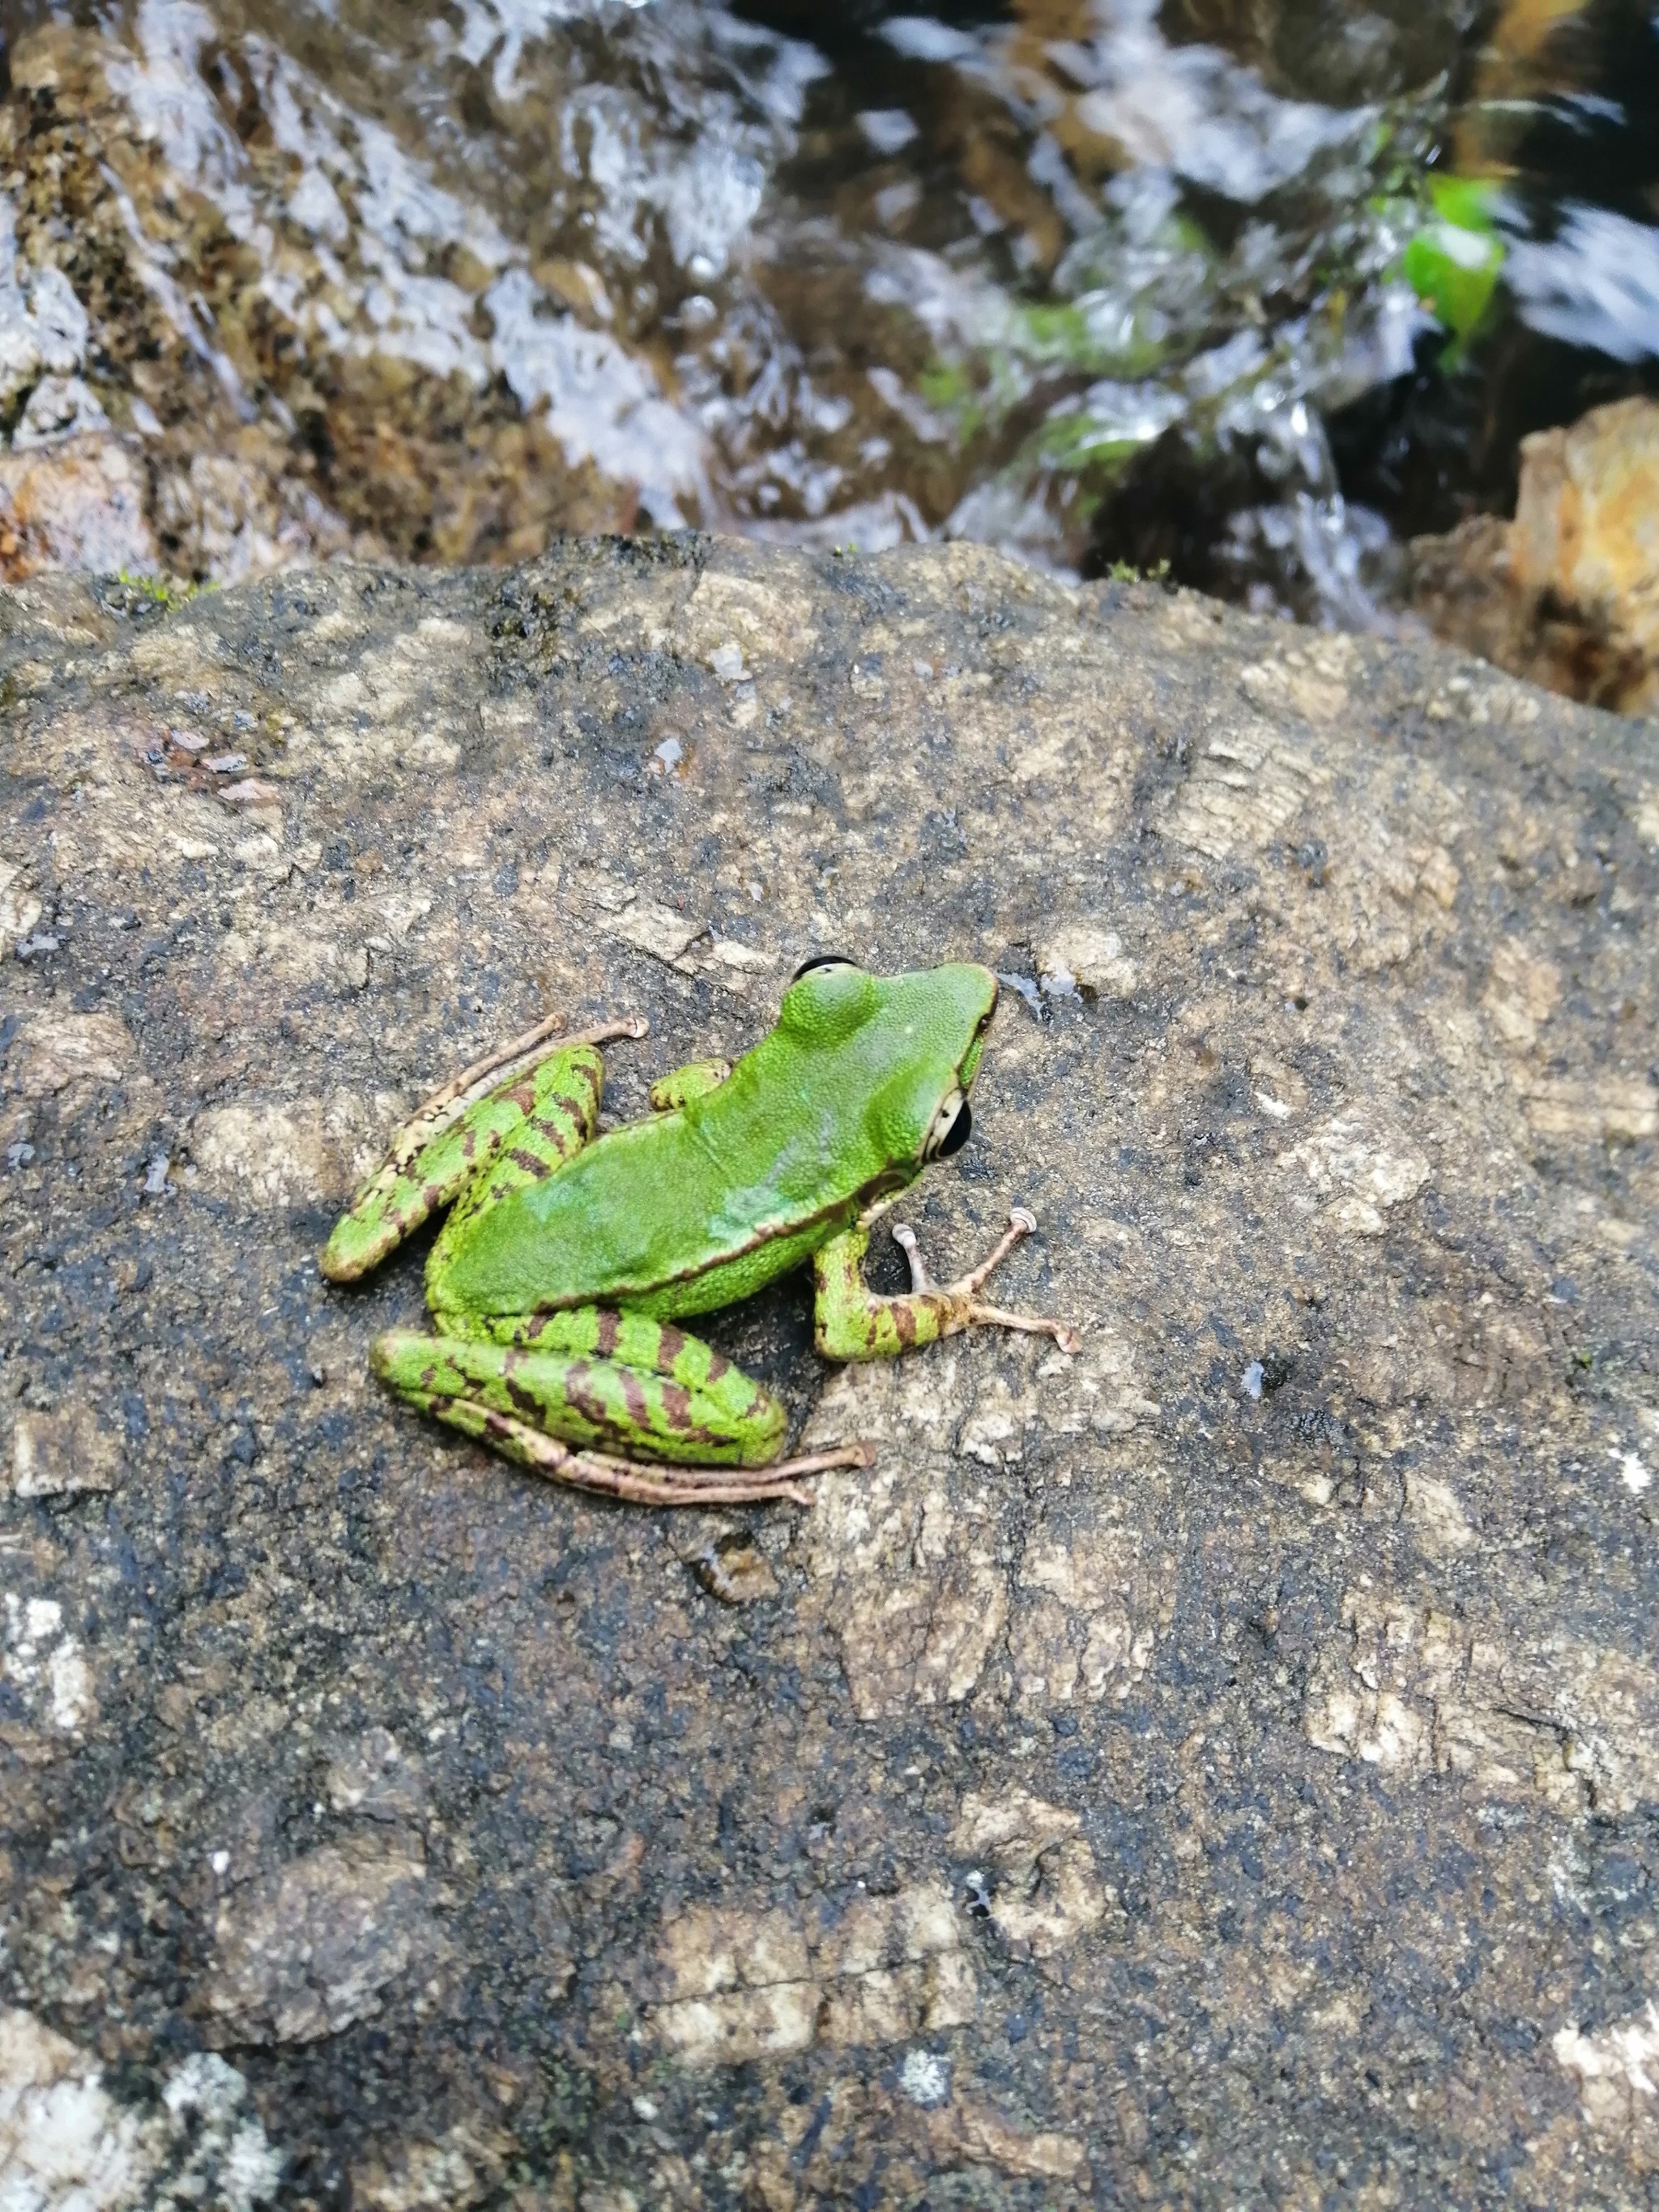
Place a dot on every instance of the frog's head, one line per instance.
(905, 1048)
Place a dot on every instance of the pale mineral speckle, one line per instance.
(1091, 959)
(1434, 1509)
(1616, 2071)
(68, 2145)
(45, 1666)
(1363, 1171)
(69, 1686)
(924, 2077)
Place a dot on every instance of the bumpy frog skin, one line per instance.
(557, 1283)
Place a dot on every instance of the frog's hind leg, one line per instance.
(548, 1096)
(634, 1481)
(575, 1390)
(852, 1322)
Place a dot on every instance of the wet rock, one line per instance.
(274, 414)
(741, 1983)
(55, 1454)
(44, 1668)
(1132, 1759)
(1567, 594)
(306, 1951)
(44, 328)
(1586, 529)
(1048, 1887)
(19, 910)
(58, 407)
(377, 1778)
(981, 2136)
(735, 1570)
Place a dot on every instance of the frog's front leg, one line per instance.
(575, 1395)
(695, 1080)
(551, 1094)
(852, 1322)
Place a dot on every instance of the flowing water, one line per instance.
(1099, 281)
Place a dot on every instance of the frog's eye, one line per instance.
(827, 999)
(823, 960)
(949, 1132)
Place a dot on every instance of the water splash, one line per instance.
(1058, 280)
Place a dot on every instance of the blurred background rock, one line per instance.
(1262, 289)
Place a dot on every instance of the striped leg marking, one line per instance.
(433, 1159)
(611, 1403)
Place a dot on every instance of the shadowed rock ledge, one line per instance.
(1221, 1768)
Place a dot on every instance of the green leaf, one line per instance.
(1456, 259)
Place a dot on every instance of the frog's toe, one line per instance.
(922, 1280)
(406, 1360)
(1022, 1222)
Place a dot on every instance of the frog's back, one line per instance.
(693, 1209)
(675, 1215)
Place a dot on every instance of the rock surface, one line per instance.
(1219, 1769)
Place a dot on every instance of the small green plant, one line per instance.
(1456, 259)
(947, 388)
(169, 593)
(1062, 333)
(1078, 440)
(1125, 572)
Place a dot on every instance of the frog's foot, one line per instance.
(632, 1481)
(962, 1297)
(851, 1322)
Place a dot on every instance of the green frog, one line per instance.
(558, 1284)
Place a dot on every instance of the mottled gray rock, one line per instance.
(1222, 1768)
(43, 327)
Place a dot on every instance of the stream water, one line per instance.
(1099, 281)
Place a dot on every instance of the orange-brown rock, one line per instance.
(1567, 594)
(1586, 527)
(80, 505)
